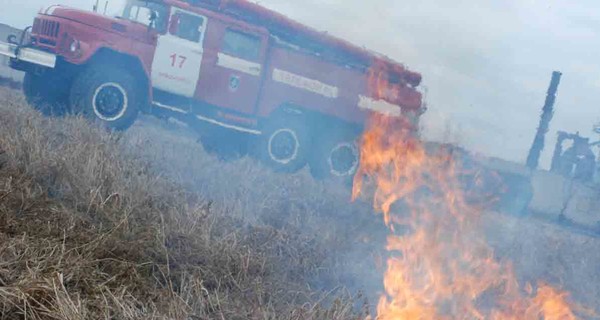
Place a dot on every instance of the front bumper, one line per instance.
(26, 54)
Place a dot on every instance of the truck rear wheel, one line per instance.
(336, 157)
(284, 144)
(45, 94)
(107, 95)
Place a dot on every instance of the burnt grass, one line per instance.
(146, 225)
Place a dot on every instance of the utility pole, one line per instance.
(547, 113)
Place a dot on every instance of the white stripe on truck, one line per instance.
(237, 64)
(380, 106)
(304, 83)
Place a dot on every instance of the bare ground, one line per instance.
(146, 225)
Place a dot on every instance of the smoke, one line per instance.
(486, 69)
(349, 237)
(486, 66)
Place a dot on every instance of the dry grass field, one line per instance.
(146, 225)
(91, 230)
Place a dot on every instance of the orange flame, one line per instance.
(440, 266)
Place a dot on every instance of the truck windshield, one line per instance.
(145, 12)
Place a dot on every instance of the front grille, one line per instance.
(46, 28)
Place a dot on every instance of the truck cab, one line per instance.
(248, 79)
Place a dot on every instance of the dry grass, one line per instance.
(88, 230)
(146, 225)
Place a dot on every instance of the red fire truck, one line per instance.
(239, 73)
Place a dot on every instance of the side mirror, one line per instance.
(152, 18)
(174, 24)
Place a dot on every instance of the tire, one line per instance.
(336, 157)
(284, 144)
(45, 93)
(107, 95)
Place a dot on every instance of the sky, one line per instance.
(486, 65)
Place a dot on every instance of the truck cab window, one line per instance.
(142, 11)
(241, 45)
(187, 26)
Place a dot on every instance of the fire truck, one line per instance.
(247, 78)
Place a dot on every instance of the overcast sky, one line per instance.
(486, 64)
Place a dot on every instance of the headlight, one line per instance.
(75, 46)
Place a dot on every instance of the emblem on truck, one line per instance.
(234, 83)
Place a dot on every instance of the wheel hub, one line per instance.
(343, 159)
(283, 146)
(110, 101)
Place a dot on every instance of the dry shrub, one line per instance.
(89, 230)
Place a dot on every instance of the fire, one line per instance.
(440, 266)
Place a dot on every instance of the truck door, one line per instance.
(178, 55)
(233, 80)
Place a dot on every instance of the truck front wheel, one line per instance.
(284, 144)
(107, 95)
